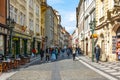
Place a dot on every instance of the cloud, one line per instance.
(70, 29)
(54, 2)
(67, 12)
(68, 20)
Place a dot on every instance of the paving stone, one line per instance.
(63, 69)
(109, 71)
(115, 73)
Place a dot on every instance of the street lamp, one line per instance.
(92, 27)
(11, 23)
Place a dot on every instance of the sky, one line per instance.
(67, 10)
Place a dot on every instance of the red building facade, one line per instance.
(3, 28)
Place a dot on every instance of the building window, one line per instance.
(102, 8)
(37, 10)
(31, 24)
(37, 28)
(22, 18)
(31, 3)
(11, 12)
(15, 17)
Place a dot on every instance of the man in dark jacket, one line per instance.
(97, 52)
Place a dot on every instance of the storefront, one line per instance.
(15, 46)
(4, 40)
(118, 43)
(37, 43)
(21, 44)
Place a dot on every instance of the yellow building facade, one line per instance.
(43, 11)
(55, 29)
(26, 14)
(108, 28)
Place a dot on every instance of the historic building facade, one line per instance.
(49, 26)
(108, 28)
(80, 23)
(4, 29)
(75, 38)
(89, 15)
(55, 29)
(43, 12)
(85, 14)
(26, 32)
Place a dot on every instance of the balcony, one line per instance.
(102, 19)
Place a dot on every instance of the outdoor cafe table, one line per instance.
(5, 65)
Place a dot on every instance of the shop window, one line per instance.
(1, 44)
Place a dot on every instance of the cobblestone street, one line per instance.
(63, 69)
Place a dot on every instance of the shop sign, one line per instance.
(22, 36)
(16, 39)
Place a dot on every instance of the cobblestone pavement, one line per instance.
(110, 68)
(63, 69)
(6, 75)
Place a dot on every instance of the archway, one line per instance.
(116, 39)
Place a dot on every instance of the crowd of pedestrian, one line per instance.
(53, 54)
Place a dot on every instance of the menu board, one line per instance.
(113, 44)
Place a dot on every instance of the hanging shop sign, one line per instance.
(23, 28)
(95, 35)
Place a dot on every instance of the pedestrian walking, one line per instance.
(97, 53)
(53, 56)
(56, 52)
(62, 52)
(68, 52)
(118, 53)
(47, 55)
(41, 54)
(74, 53)
(33, 52)
(79, 51)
